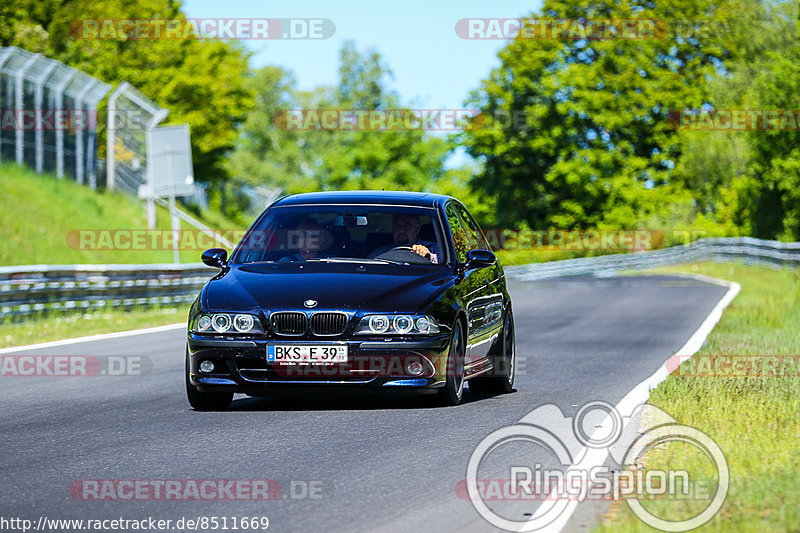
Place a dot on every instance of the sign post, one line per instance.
(169, 174)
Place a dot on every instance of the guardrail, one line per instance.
(26, 290)
(745, 249)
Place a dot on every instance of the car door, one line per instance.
(471, 286)
(486, 311)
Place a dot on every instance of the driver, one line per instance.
(405, 230)
(306, 239)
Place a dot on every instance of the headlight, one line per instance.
(423, 324)
(243, 323)
(397, 325)
(378, 324)
(228, 322)
(221, 323)
(403, 323)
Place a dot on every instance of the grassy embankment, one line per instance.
(754, 420)
(42, 218)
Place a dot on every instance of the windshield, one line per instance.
(336, 233)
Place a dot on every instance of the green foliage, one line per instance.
(299, 161)
(59, 325)
(63, 208)
(202, 83)
(754, 420)
(597, 149)
(749, 180)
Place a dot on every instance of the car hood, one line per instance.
(347, 286)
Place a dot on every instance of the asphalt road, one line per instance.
(372, 463)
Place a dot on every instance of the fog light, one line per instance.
(414, 368)
(207, 366)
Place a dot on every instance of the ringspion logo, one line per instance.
(573, 446)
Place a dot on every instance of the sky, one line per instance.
(432, 66)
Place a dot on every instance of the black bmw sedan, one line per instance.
(360, 289)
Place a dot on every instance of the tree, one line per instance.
(747, 181)
(598, 148)
(201, 82)
(271, 154)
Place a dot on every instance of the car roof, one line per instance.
(417, 199)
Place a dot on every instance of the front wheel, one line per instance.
(453, 390)
(205, 401)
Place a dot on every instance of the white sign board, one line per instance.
(169, 161)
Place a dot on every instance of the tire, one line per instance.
(205, 401)
(453, 390)
(501, 378)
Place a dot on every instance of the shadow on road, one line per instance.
(338, 401)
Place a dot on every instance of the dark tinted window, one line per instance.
(460, 239)
(307, 232)
(476, 238)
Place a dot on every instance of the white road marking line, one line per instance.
(92, 338)
(640, 394)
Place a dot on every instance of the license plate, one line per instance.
(306, 353)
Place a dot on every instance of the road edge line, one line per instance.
(641, 392)
(92, 338)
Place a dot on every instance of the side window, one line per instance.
(460, 240)
(476, 237)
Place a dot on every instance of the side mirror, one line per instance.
(215, 257)
(480, 258)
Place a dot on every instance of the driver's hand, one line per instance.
(421, 250)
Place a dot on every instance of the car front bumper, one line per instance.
(240, 365)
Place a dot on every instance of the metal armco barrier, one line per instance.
(744, 249)
(26, 290)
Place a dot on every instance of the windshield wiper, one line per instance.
(382, 260)
(353, 260)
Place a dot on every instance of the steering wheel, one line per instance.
(407, 249)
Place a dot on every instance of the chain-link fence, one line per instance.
(49, 115)
(130, 115)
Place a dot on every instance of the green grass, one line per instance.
(755, 420)
(527, 256)
(40, 211)
(77, 324)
